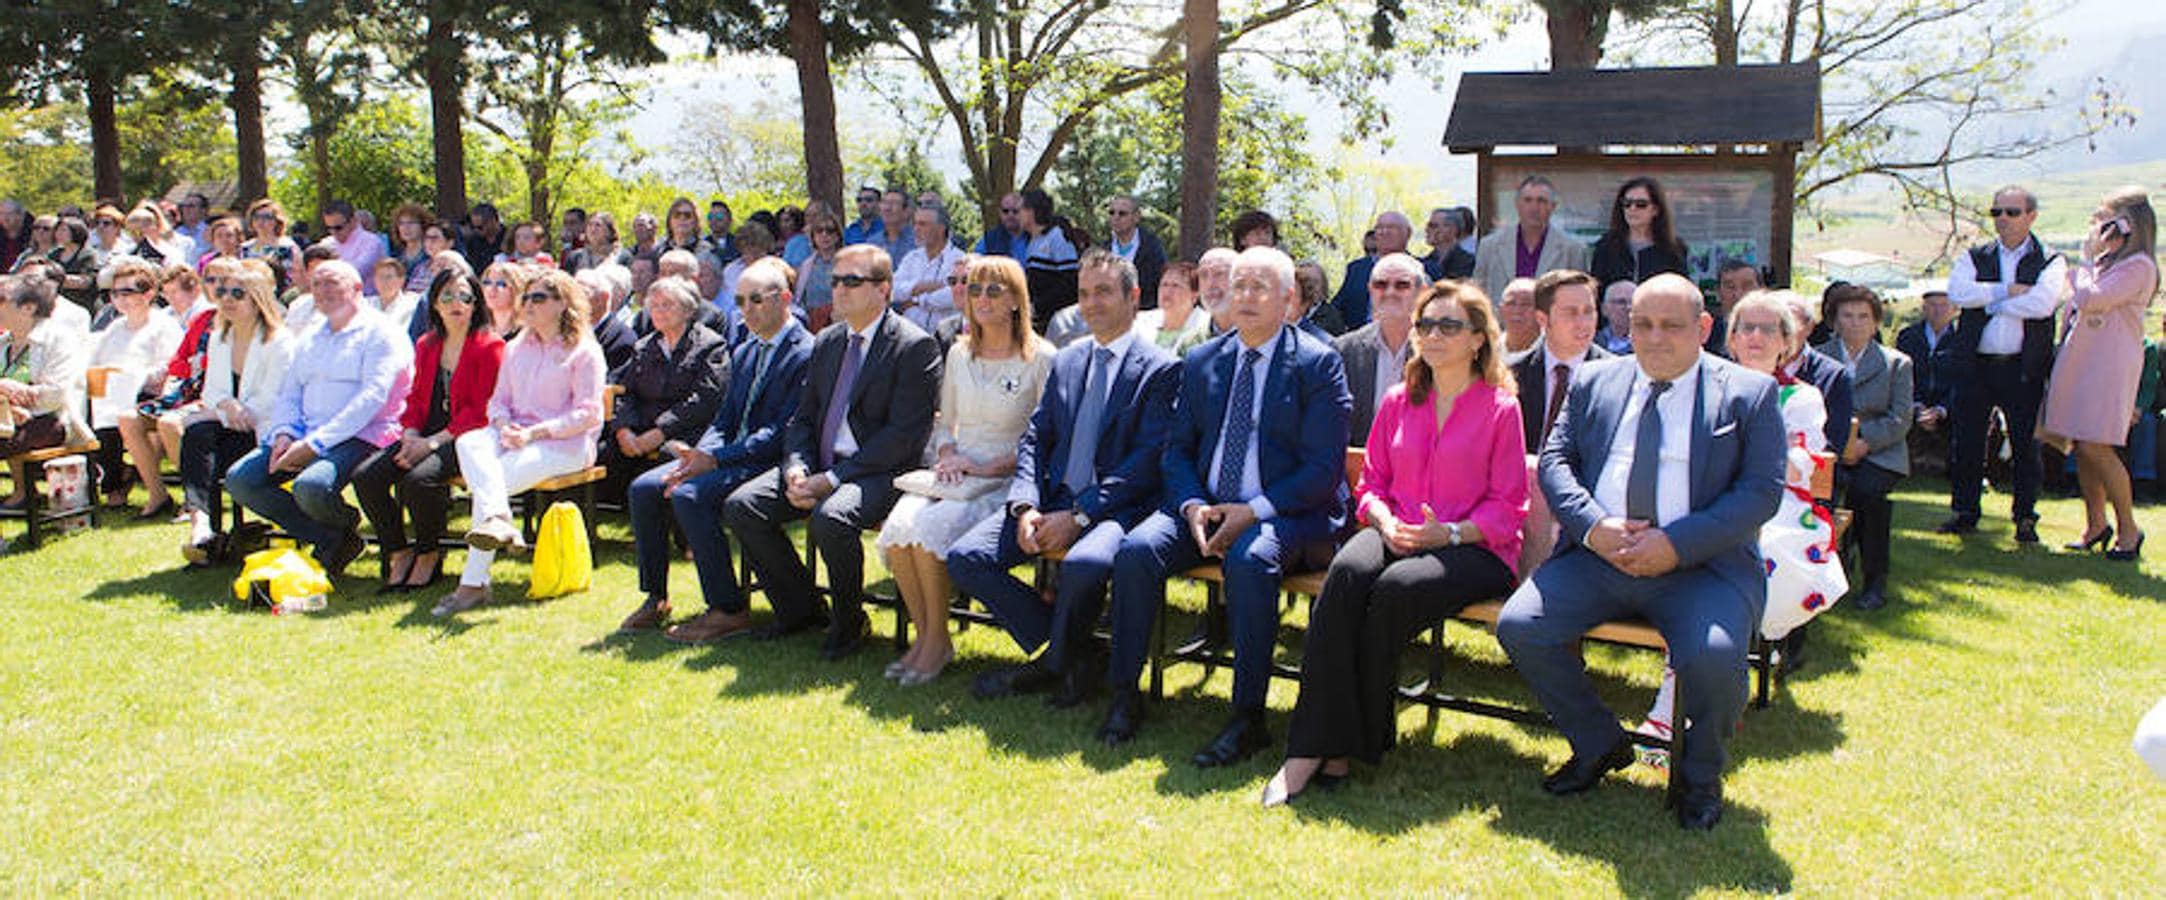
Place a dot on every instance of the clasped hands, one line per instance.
(1042, 532)
(1407, 538)
(1215, 526)
(805, 490)
(1635, 546)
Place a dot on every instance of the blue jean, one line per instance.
(312, 510)
(979, 563)
(697, 505)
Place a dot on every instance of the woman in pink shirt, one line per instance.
(1442, 496)
(543, 419)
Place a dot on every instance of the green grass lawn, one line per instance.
(1973, 738)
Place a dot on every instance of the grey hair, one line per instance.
(678, 289)
(1271, 259)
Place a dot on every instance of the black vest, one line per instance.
(2037, 349)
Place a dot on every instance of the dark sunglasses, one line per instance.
(1769, 329)
(851, 281)
(2006, 212)
(264, 217)
(537, 297)
(1443, 326)
(1635, 203)
(1403, 284)
(758, 298)
(986, 289)
(229, 293)
(121, 291)
(459, 297)
(495, 283)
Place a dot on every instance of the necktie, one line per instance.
(1646, 458)
(752, 394)
(1240, 425)
(1560, 378)
(838, 405)
(1083, 441)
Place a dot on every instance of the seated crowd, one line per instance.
(1555, 438)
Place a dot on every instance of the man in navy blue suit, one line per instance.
(1660, 472)
(765, 381)
(1085, 473)
(1255, 475)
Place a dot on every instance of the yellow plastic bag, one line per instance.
(563, 563)
(290, 575)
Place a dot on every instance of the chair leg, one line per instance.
(1763, 670)
(34, 508)
(1158, 654)
(587, 515)
(1436, 673)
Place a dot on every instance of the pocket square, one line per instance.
(1723, 429)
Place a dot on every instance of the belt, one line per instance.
(2000, 357)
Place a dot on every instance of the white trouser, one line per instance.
(493, 474)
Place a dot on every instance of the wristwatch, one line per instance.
(1453, 527)
(1082, 519)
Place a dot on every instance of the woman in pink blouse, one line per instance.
(1442, 497)
(543, 419)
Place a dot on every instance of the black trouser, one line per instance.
(207, 450)
(424, 491)
(1374, 602)
(1997, 381)
(113, 471)
(756, 512)
(1871, 515)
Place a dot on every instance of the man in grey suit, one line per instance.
(1660, 470)
(1533, 248)
(1564, 305)
(1375, 354)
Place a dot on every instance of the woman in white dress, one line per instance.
(991, 384)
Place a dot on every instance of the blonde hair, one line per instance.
(1008, 273)
(1488, 363)
(572, 322)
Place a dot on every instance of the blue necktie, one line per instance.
(838, 405)
(1083, 441)
(1240, 425)
(1646, 459)
(752, 394)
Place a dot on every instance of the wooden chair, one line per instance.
(33, 513)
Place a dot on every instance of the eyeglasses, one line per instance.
(1443, 326)
(124, 290)
(1635, 203)
(1764, 329)
(854, 280)
(495, 283)
(41, 228)
(229, 293)
(954, 280)
(263, 217)
(1119, 212)
(986, 289)
(461, 298)
(1010, 210)
(2007, 212)
(533, 297)
(754, 299)
(1400, 284)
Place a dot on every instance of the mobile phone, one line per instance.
(2113, 228)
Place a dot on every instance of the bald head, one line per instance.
(1393, 231)
(1669, 323)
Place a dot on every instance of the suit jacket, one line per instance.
(1828, 374)
(1496, 258)
(1881, 400)
(1130, 439)
(473, 381)
(1300, 430)
(757, 446)
(1358, 351)
(1529, 369)
(675, 392)
(1352, 300)
(1455, 262)
(1737, 460)
(1150, 264)
(890, 405)
(1930, 372)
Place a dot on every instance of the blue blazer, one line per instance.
(1130, 438)
(1738, 454)
(1301, 432)
(759, 446)
(1828, 374)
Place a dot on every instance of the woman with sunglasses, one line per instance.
(542, 420)
(1642, 238)
(1443, 495)
(246, 362)
(40, 244)
(815, 284)
(155, 429)
(267, 224)
(132, 349)
(502, 284)
(455, 369)
(681, 229)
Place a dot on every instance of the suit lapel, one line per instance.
(1704, 416)
(877, 348)
(1870, 366)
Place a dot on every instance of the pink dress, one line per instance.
(1472, 468)
(2093, 392)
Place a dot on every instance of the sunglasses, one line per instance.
(537, 297)
(1010, 210)
(129, 290)
(229, 293)
(1764, 329)
(1443, 326)
(2006, 212)
(759, 298)
(1400, 284)
(1635, 203)
(41, 228)
(495, 283)
(851, 281)
(264, 217)
(954, 280)
(461, 298)
(986, 289)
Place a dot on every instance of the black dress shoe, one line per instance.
(844, 637)
(1076, 686)
(1957, 525)
(1581, 773)
(1239, 740)
(1122, 717)
(1872, 598)
(2131, 554)
(349, 549)
(2027, 531)
(1700, 807)
(1023, 678)
(775, 631)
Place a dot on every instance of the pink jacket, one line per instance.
(552, 386)
(1474, 468)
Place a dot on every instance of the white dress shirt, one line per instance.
(1550, 362)
(933, 306)
(1673, 484)
(1251, 474)
(2004, 332)
(1390, 367)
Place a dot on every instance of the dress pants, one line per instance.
(1706, 620)
(1374, 602)
(312, 511)
(1160, 548)
(494, 474)
(1872, 517)
(1996, 382)
(696, 505)
(424, 492)
(207, 450)
(756, 513)
(979, 564)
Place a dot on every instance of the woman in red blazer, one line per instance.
(455, 366)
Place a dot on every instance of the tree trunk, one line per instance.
(1724, 30)
(246, 100)
(1575, 34)
(104, 138)
(319, 165)
(816, 90)
(1199, 128)
(1792, 9)
(440, 70)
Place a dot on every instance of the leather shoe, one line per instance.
(1239, 740)
(777, 630)
(651, 615)
(708, 627)
(2026, 531)
(1872, 598)
(1700, 807)
(1581, 773)
(1122, 717)
(1957, 525)
(844, 637)
(1022, 678)
(1077, 685)
(349, 549)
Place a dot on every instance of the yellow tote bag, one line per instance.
(563, 563)
(290, 574)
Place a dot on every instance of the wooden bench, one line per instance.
(33, 513)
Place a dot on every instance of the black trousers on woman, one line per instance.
(207, 450)
(424, 492)
(113, 471)
(1374, 602)
(1871, 516)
